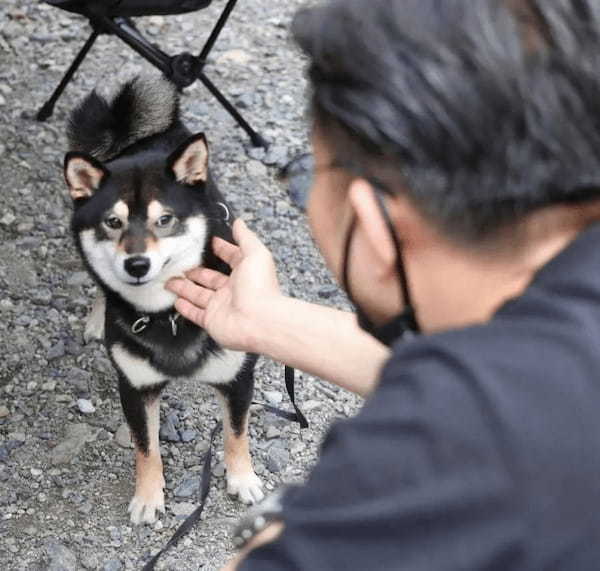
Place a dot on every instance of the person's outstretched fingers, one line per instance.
(190, 311)
(247, 240)
(229, 253)
(195, 293)
(207, 278)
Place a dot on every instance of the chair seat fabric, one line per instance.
(130, 8)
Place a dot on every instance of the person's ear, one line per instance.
(84, 174)
(189, 162)
(371, 223)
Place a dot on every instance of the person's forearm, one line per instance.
(324, 342)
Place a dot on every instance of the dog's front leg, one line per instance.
(142, 411)
(236, 398)
(94, 327)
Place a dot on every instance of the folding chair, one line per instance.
(114, 17)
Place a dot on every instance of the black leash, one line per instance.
(206, 477)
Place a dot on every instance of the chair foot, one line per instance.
(45, 112)
(258, 141)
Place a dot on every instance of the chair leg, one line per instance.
(208, 46)
(257, 140)
(48, 107)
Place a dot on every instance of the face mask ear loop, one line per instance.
(346, 259)
(409, 312)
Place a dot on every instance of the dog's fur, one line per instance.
(145, 210)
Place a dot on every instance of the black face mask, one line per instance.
(405, 323)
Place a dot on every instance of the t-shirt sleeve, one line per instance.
(420, 479)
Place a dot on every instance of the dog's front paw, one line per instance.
(94, 327)
(247, 487)
(144, 505)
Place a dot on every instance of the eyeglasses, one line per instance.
(300, 173)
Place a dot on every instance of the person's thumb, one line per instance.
(247, 240)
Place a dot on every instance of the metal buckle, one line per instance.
(140, 324)
(173, 319)
(227, 213)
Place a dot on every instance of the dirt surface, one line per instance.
(65, 480)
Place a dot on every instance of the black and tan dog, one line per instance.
(145, 210)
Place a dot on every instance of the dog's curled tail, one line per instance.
(143, 107)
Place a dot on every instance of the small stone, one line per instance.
(85, 406)
(56, 351)
(78, 279)
(183, 509)
(4, 412)
(311, 405)
(276, 156)
(60, 557)
(277, 459)
(256, 153)
(273, 432)
(49, 386)
(7, 219)
(36, 472)
(189, 435)
(168, 430)
(273, 397)
(123, 436)
(187, 488)
(256, 169)
(113, 565)
(219, 470)
(236, 56)
(76, 437)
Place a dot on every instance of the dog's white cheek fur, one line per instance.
(185, 252)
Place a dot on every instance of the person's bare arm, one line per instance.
(246, 311)
(270, 533)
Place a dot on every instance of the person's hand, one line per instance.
(231, 308)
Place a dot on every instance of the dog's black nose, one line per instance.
(137, 266)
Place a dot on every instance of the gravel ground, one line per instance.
(65, 480)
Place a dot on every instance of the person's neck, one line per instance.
(469, 287)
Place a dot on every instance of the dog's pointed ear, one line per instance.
(84, 174)
(189, 162)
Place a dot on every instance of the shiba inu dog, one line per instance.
(145, 210)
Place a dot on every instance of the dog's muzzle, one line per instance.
(137, 266)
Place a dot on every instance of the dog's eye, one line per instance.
(164, 220)
(113, 222)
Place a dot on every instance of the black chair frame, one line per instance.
(183, 69)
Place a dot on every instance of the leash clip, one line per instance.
(140, 324)
(173, 319)
(227, 218)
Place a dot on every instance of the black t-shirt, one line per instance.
(479, 450)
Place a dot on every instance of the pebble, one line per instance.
(168, 429)
(85, 406)
(49, 386)
(187, 488)
(219, 470)
(273, 432)
(189, 435)
(236, 56)
(78, 279)
(61, 558)
(273, 397)
(56, 351)
(76, 437)
(112, 565)
(277, 459)
(256, 169)
(4, 412)
(183, 508)
(123, 436)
